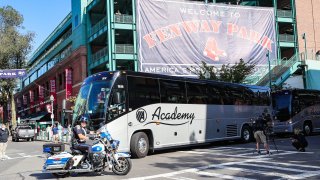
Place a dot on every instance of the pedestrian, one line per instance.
(298, 140)
(38, 130)
(48, 132)
(259, 125)
(60, 128)
(4, 134)
(55, 134)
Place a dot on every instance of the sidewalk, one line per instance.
(43, 137)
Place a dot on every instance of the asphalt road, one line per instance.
(223, 160)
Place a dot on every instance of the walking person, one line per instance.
(259, 126)
(55, 134)
(4, 135)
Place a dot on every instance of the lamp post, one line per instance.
(305, 45)
(268, 53)
(52, 115)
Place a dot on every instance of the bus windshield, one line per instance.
(282, 106)
(91, 101)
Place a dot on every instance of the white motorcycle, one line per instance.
(103, 155)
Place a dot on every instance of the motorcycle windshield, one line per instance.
(91, 101)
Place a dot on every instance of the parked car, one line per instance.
(23, 132)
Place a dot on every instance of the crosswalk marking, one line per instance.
(178, 178)
(274, 167)
(297, 165)
(246, 162)
(20, 156)
(266, 173)
(223, 176)
(193, 170)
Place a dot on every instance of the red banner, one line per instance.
(24, 99)
(18, 103)
(31, 96)
(53, 89)
(68, 83)
(41, 96)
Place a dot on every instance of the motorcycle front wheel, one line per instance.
(125, 166)
(61, 175)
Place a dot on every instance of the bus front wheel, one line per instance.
(246, 134)
(139, 145)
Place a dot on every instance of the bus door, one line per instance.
(117, 121)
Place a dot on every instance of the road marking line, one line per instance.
(274, 167)
(222, 176)
(7, 157)
(24, 155)
(255, 171)
(192, 170)
(178, 178)
(288, 164)
(217, 154)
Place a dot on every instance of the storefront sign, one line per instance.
(12, 73)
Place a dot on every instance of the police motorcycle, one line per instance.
(103, 155)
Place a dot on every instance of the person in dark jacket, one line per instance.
(299, 141)
(259, 125)
(4, 134)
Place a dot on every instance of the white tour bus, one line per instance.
(151, 111)
(297, 108)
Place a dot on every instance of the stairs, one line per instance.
(281, 72)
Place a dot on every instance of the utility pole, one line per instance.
(52, 114)
(305, 45)
(270, 78)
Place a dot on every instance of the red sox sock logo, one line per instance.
(212, 51)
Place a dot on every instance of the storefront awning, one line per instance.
(36, 118)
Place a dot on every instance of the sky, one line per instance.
(40, 16)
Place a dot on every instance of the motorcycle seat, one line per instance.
(76, 151)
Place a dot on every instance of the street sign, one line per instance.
(12, 73)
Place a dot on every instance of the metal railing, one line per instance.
(279, 70)
(101, 24)
(123, 18)
(124, 48)
(99, 54)
(286, 38)
(285, 13)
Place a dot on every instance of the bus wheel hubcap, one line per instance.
(307, 129)
(142, 143)
(246, 134)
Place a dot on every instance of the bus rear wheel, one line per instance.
(139, 145)
(307, 128)
(246, 134)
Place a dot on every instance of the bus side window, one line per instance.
(196, 93)
(142, 92)
(214, 95)
(173, 91)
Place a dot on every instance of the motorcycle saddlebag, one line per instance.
(58, 161)
(53, 148)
